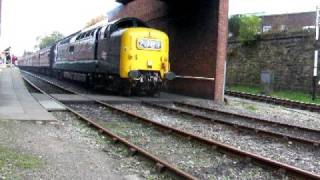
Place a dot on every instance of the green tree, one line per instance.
(48, 40)
(234, 25)
(250, 26)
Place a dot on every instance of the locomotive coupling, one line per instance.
(134, 74)
(170, 76)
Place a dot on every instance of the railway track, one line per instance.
(277, 101)
(160, 163)
(163, 164)
(259, 126)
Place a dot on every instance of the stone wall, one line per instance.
(288, 56)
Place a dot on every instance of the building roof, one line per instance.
(124, 1)
(289, 14)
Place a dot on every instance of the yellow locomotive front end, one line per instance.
(144, 58)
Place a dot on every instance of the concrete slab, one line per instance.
(69, 98)
(48, 103)
(113, 98)
(16, 103)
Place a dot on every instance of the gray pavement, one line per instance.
(48, 103)
(16, 103)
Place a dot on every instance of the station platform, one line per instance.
(16, 103)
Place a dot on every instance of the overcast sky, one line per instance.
(24, 20)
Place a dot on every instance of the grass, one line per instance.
(12, 161)
(247, 89)
(285, 94)
(251, 108)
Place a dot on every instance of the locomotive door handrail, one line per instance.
(195, 78)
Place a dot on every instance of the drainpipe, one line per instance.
(316, 55)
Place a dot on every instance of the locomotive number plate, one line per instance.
(150, 44)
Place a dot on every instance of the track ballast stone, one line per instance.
(197, 159)
(296, 154)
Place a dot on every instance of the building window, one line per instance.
(266, 28)
(283, 28)
(307, 28)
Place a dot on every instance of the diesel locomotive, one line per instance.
(124, 55)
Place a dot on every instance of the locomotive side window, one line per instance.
(82, 35)
(78, 37)
(106, 31)
(87, 34)
(71, 49)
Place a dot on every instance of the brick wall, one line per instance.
(192, 29)
(292, 22)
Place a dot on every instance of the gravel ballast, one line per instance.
(266, 111)
(197, 159)
(310, 135)
(296, 154)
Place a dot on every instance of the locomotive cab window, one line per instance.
(127, 24)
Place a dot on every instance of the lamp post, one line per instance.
(316, 55)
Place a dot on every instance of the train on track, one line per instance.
(124, 55)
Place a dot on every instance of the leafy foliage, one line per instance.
(244, 27)
(95, 20)
(234, 25)
(49, 40)
(250, 26)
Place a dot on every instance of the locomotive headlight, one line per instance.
(149, 63)
(164, 66)
(149, 44)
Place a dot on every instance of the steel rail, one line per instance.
(278, 101)
(49, 82)
(247, 117)
(215, 144)
(235, 125)
(134, 148)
